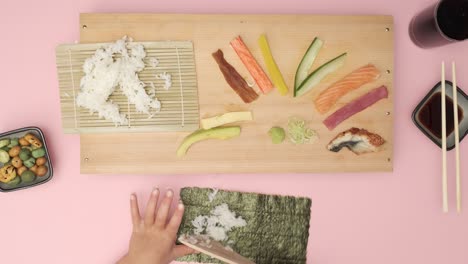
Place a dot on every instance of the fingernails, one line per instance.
(169, 193)
(132, 196)
(155, 191)
(180, 206)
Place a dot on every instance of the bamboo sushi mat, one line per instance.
(179, 104)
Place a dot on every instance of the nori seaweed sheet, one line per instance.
(277, 226)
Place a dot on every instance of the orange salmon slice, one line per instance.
(328, 98)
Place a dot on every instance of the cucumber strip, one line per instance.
(306, 62)
(316, 77)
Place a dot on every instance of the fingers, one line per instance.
(163, 211)
(151, 207)
(182, 250)
(134, 211)
(176, 219)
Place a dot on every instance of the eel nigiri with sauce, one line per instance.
(359, 141)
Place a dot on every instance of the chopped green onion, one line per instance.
(299, 133)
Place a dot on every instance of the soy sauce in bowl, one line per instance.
(430, 115)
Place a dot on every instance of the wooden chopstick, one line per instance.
(444, 144)
(457, 137)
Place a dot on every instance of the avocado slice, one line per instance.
(202, 134)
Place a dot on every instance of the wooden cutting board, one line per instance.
(367, 39)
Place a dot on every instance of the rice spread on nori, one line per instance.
(216, 225)
(277, 227)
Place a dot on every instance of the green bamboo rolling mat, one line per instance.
(277, 226)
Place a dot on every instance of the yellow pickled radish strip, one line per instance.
(271, 65)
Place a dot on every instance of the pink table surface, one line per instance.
(356, 218)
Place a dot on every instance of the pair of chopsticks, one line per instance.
(444, 141)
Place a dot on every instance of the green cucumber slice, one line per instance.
(316, 77)
(306, 62)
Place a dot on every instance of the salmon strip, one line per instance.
(252, 65)
(328, 98)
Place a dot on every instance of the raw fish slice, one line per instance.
(234, 79)
(356, 106)
(328, 98)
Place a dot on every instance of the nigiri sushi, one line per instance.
(357, 140)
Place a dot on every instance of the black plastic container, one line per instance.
(463, 122)
(442, 23)
(18, 133)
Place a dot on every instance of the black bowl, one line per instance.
(39, 180)
(463, 122)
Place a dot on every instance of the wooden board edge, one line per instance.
(84, 16)
(91, 170)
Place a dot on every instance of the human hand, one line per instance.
(153, 238)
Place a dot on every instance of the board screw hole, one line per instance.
(389, 159)
(84, 26)
(86, 159)
(387, 113)
(388, 71)
(387, 29)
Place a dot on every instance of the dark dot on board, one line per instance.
(387, 29)
(85, 26)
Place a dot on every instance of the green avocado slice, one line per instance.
(202, 134)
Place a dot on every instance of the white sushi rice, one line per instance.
(200, 224)
(167, 79)
(105, 71)
(154, 62)
(152, 91)
(216, 225)
(212, 195)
